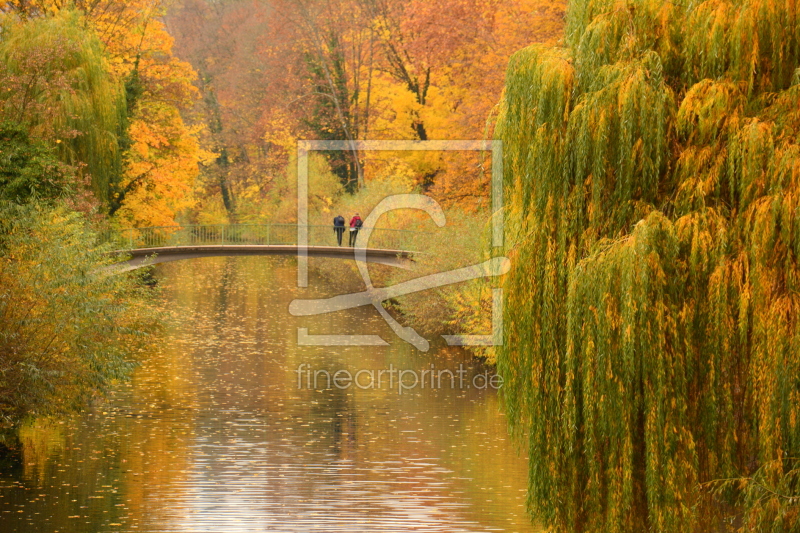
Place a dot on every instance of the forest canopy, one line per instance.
(272, 72)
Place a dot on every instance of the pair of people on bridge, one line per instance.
(355, 225)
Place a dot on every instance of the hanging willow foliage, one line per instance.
(60, 88)
(652, 348)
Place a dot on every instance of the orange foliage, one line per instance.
(407, 70)
(162, 162)
(162, 156)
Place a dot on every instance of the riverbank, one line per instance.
(464, 308)
(66, 332)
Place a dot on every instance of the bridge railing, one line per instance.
(257, 234)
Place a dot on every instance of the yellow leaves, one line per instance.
(281, 130)
(394, 108)
(705, 109)
(161, 167)
(162, 161)
(213, 212)
(133, 39)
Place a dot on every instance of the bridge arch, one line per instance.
(162, 244)
(140, 257)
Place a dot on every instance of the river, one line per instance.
(218, 431)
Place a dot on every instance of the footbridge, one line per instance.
(147, 246)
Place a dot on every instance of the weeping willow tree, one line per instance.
(57, 85)
(652, 348)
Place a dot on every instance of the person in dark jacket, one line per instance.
(338, 227)
(355, 225)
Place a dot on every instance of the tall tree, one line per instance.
(462, 47)
(146, 173)
(334, 41)
(59, 87)
(651, 348)
(221, 40)
(162, 152)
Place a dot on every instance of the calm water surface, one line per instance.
(214, 434)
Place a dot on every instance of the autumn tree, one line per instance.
(333, 40)
(651, 348)
(66, 334)
(162, 152)
(58, 87)
(436, 73)
(462, 47)
(144, 173)
(222, 41)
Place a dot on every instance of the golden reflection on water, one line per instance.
(213, 433)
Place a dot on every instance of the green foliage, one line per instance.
(279, 205)
(464, 308)
(58, 86)
(67, 330)
(29, 169)
(772, 494)
(652, 314)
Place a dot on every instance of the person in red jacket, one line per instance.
(355, 225)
